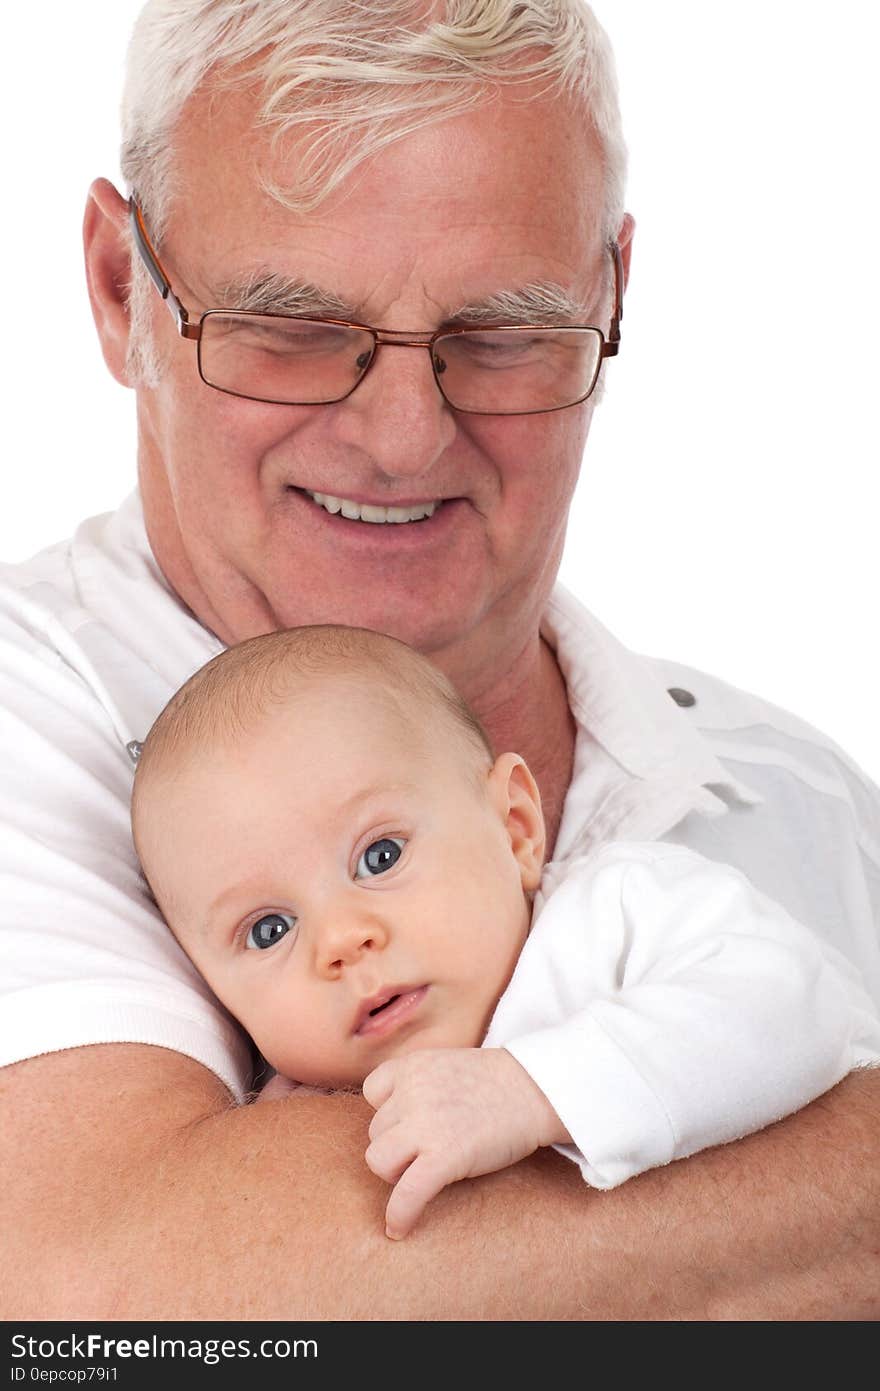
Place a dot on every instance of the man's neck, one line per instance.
(528, 713)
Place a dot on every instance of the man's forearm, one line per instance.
(782, 1225)
(270, 1212)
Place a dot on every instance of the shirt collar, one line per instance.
(640, 763)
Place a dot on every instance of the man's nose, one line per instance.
(397, 415)
(345, 939)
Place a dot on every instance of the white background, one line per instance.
(727, 511)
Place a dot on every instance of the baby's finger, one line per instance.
(390, 1154)
(387, 1115)
(421, 1182)
(379, 1084)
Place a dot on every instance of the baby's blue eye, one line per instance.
(379, 856)
(268, 930)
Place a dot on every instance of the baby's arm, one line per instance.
(664, 1005)
(448, 1114)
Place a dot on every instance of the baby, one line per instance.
(334, 844)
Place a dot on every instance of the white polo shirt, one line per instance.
(93, 642)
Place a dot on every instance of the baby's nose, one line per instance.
(345, 940)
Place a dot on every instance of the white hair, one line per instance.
(358, 75)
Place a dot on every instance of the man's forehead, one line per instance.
(515, 121)
(496, 200)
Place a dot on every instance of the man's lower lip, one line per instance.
(394, 1015)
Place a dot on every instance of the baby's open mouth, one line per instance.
(386, 1010)
(379, 1008)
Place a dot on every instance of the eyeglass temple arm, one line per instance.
(612, 347)
(157, 275)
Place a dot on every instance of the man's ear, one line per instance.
(515, 794)
(108, 272)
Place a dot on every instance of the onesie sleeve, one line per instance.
(664, 1005)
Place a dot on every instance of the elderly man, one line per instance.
(393, 247)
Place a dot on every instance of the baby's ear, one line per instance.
(518, 800)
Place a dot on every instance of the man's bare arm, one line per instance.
(134, 1190)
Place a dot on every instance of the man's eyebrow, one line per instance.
(542, 302)
(266, 292)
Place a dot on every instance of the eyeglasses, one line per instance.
(282, 360)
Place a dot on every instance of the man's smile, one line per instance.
(372, 512)
(401, 524)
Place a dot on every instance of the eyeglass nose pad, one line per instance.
(439, 365)
(363, 360)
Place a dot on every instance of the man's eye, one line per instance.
(503, 349)
(268, 930)
(379, 856)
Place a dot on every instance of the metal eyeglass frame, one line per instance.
(394, 338)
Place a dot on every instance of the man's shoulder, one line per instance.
(741, 724)
(33, 590)
(96, 612)
(806, 780)
(719, 707)
(40, 614)
(51, 590)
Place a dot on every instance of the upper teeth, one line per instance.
(366, 512)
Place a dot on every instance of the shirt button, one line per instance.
(682, 697)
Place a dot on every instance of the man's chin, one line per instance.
(425, 625)
(415, 580)
(431, 606)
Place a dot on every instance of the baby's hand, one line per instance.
(447, 1114)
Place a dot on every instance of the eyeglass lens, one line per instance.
(517, 370)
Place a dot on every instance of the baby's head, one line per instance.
(326, 829)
